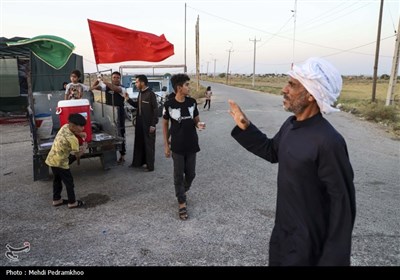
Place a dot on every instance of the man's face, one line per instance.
(295, 97)
(116, 79)
(139, 84)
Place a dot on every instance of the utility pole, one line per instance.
(197, 53)
(229, 59)
(378, 41)
(185, 70)
(207, 67)
(215, 63)
(294, 30)
(254, 59)
(395, 68)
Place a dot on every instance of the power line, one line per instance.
(317, 45)
(270, 33)
(323, 16)
(349, 50)
(276, 33)
(394, 27)
(334, 19)
(332, 54)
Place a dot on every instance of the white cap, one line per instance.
(321, 79)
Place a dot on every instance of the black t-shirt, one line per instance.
(118, 99)
(184, 139)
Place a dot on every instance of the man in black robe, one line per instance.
(145, 130)
(316, 207)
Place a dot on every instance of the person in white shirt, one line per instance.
(208, 94)
(75, 89)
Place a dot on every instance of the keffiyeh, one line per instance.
(321, 79)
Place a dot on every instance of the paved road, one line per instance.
(133, 217)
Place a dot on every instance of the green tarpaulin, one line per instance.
(54, 51)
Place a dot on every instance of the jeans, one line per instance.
(184, 173)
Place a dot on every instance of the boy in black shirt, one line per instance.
(184, 115)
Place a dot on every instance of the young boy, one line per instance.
(65, 143)
(75, 89)
(184, 115)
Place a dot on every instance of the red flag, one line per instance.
(113, 43)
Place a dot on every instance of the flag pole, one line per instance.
(101, 94)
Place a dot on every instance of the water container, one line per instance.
(44, 125)
(80, 106)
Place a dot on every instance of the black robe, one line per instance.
(316, 207)
(147, 115)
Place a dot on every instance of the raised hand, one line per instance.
(238, 116)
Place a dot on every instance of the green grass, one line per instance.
(196, 94)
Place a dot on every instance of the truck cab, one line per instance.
(160, 85)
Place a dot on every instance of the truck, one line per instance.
(39, 85)
(105, 140)
(160, 85)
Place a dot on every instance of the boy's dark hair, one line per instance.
(77, 119)
(179, 80)
(116, 73)
(208, 88)
(76, 72)
(143, 79)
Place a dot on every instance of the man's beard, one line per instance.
(298, 105)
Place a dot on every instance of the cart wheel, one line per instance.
(128, 114)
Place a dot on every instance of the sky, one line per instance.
(341, 31)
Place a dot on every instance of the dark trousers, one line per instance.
(65, 176)
(121, 128)
(184, 173)
(144, 146)
(208, 101)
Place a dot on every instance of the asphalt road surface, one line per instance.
(132, 219)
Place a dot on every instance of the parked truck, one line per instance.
(26, 77)
(160, 84)
(105, 140)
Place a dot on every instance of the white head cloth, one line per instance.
(321, 79)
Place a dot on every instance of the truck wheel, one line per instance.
(160, 111)
(128, 114)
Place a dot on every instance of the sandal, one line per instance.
(120, 160)
(183, 213)
(80, 204)
(64, 201)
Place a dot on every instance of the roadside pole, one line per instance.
(378, 41)
(395, 68)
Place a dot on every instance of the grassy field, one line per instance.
(354, 98)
